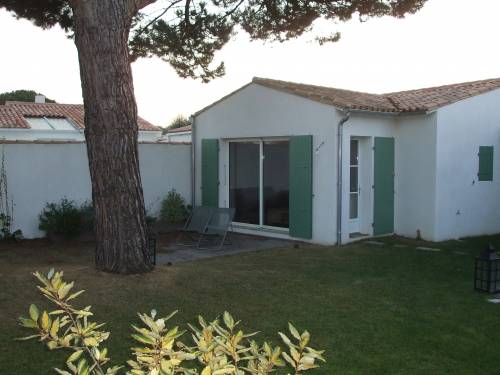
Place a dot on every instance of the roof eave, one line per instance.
(221, 99)
(386, 113)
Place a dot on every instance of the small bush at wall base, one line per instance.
(173, 208)
(6, 233)
(61, 219)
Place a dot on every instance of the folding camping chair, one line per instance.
(219, 224)
(195, 226)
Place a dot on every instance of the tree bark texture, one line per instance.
(111, 131)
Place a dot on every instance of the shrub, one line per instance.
(150, 219)
(6, 233)
(87, 217)
(61, 219)
(218, 347)
(173, 208)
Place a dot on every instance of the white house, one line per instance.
(327, 165)
(40, 121)
(178, 135)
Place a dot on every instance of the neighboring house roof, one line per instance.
(13, 114)
(186, 128)
(421, 100)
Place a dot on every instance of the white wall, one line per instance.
(436, 187)
(46, 172)
(74, 135)
(415, 188)
(178, 137)
(260, 112)
(364, 127)
(464, 205)
(415, 167)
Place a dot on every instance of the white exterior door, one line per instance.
(354, 187)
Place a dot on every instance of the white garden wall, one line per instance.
(46, 172)
(14, 134)
(178, 137)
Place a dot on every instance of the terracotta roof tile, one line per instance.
(12, 114)
(420, 100)
(331, 96)
(435, 97)
(186, 128)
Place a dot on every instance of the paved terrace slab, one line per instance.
(172, 253)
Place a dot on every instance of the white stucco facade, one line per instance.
(259, 112)
(38, 173)
(436, 161)
(464, 205)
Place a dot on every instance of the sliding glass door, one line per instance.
(259, 182)
(244, 177)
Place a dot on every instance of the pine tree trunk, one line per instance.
(111, 131)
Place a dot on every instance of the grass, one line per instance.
(375, 309)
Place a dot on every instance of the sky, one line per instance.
(448, 41)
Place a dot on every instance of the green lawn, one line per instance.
(375, 309)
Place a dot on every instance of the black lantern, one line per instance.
(487, 275)
(152, 249)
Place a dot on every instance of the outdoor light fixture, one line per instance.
(487, 271)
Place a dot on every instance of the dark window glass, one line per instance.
(244, 181)
(353, 206)
(354, 180)
(354, 152)
(276, 183)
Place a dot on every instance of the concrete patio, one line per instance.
(172, 253)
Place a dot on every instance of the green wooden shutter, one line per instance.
(383, 205)
(210, 172)
(301, 193)
(485, 172)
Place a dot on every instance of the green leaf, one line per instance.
(288, 359)
(82, 366)
(74, 295)
(294, 331)
(28, 323)
(143, 339)
(52, 345)
(55, 328)
(45, 321)
(90, 341)
(295, 354)
(286, 340)
(34, 313)
(62, 372)
(228, 320)
(64, 290)
(75, 356)
(27, 338)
